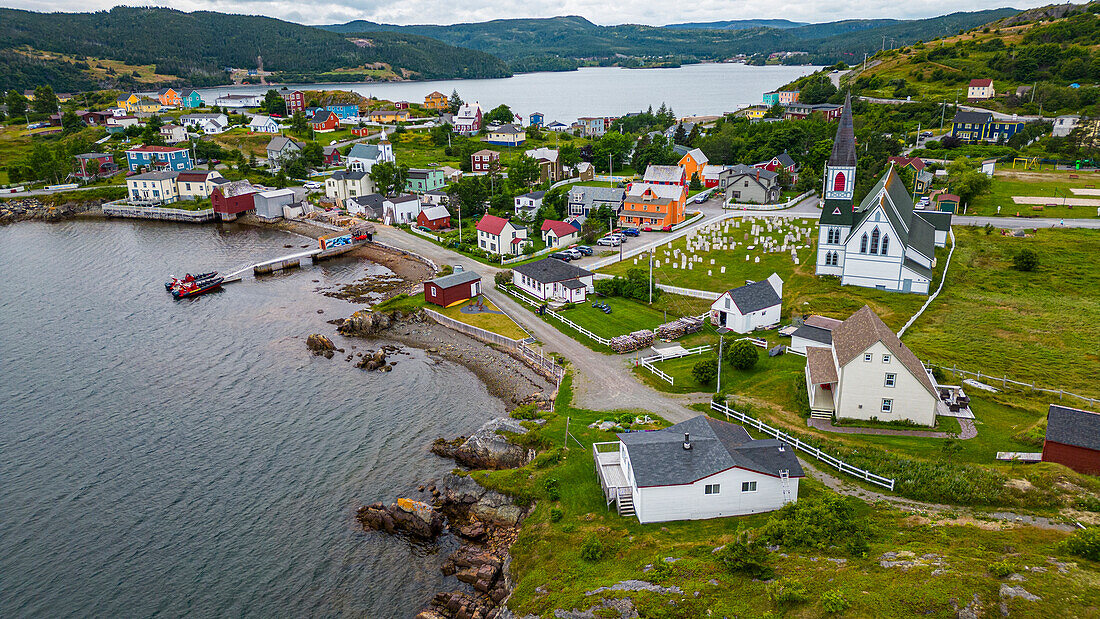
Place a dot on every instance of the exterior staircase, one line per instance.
(785, 482)
(626, 504)
(821, 415)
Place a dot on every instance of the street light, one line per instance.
(722, 331)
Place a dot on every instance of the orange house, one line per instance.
(436, 101)
(651, 205)
(169, 97)
(693, 163)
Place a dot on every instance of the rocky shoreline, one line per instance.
(31, 209)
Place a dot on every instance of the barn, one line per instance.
(232, 199)
(434, 218)
(1073, 439)
(454, 288)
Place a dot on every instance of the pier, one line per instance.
(293, 261)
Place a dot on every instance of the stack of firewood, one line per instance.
(634, 341)
(679, 328)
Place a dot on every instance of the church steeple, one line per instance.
(840, 171)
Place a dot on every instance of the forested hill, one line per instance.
(195, 47)
(573, 37)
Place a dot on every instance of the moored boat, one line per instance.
(188, 279)
(197, 287)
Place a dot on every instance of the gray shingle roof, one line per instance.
(1073, 426)
(940, 220)
(354, 175)
(755, 296)
(854, 336)
(455, 279)
(549, 270)
(364, 151)
(658, 457)
(972, 117)
(844, 146)
(433, 213)
(814, 334)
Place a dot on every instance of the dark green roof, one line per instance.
(836, 213)
(940, 220)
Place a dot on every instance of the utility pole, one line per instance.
(943, 109)
(651, 277)
(721, 340)
(883, 42)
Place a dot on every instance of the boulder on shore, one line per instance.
(414, 518)
(320, 345)
(374, 361)
(485, 448)
(365, 323)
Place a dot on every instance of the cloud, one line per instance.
(653, 12)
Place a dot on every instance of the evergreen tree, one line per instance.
(454, 102)
(679, 136)
(45, 101)
(17, 105)
(273, 103)
(693, 136)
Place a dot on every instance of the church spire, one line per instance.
(844, 146)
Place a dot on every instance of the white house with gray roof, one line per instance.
(551, 279)
(280, 150)
(362, 157)
(753, 306)
(583, 200)
(697, 469)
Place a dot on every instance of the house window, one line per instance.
(887, 405)
(863, 244)
(891, 380)
(712, 488)
(748, 486)
(886, 358)
(867, 357)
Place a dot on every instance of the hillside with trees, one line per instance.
(196, 48)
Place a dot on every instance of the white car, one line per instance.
(610, 241)
(312, 185)
(575, 254)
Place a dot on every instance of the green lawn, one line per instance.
(626, 316)
(1039, 326)
(1054, 186)
(550, 573)
(500, 324)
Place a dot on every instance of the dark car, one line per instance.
(631, 232)
(584, 249)
(561, 256)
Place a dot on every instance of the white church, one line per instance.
(884, 242)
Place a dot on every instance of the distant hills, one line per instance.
(108, 49)
(194, 48)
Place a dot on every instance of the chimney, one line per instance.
(687, 441)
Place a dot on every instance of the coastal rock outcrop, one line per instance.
(320, 345)
(487, 448)
(373, 361)
(414, 518)
(365, 323)
(460, 493)
(32, 209)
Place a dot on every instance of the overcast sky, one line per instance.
(652, 12)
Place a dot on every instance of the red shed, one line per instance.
(435, 217)
(233, 198)
(321, 122)
(1073, 439)
(450, 289)
(332, 156)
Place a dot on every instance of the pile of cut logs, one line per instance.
(631, 342)
(679, 328)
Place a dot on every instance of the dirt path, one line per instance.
(967, 430)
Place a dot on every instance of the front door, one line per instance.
(906, 285)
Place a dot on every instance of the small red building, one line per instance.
(363, 131)
(450, 289)
(434, 217)
(94, 164)
(1073, 439)
(332, 156)
(232, 199)
(402, 105)
(484, 160)
(321, 122)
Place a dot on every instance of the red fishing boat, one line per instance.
(197, 287)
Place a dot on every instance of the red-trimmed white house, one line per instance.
(500, 236)
(558, 233)
(554, 280)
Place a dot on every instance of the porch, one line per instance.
(612, 476)
(953, 402)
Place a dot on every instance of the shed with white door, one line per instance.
(697, 469)
(752, 306)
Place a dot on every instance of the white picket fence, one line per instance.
(832, 461)
(690, 292)
(553, 314)
(427, 235)
(1005, 381)
(746, 206)
(647, 362)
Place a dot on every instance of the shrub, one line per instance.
(704, 372)
(503, 277)
(556, 514)
(592, 549)
(547, 458)
(550, 484)
(1088, 503)
(816, 522)
(742, 355)
(834, 601)
(858, 546)
(786, 592)
(1027, 260)
(1084, 543)
(527, 411)
(568, 528)
(661, 569)
(747, 557)
(1001, 569)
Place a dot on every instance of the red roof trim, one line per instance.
(491, 224)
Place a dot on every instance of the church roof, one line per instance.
(892, 195)
(844, 146)
(836, 212)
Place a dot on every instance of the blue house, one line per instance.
(975, 127)
(344, 111)
(152, 158)
(191, 99)
(537, 118)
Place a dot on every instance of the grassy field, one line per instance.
(500, 324)
(1049, 184)
(550, 572)
(245, 141)
(626, 316)
(1038, 326)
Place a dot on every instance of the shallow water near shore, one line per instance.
(190, 457)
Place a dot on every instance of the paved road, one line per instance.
(1020, 223)
(600, 382)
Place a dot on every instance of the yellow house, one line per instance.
(436, 101)
(130, 103)
(693, 163)
(145, 104)
(755, 112)
(389, 116)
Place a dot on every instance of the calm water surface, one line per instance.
(190, 458)
(597, 91)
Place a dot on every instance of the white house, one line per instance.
(157, 187)
(281, 149)
(370, 206)
(753, 306)
(815, 331)
(401, 209)
(238, 101)
(551, 279)
(363, 157)
(528, 204)
(558, 233)
(468, 119)
(206, 123)
(498, 235)
(980, 89)
(884, 242)
(263, 124)
(198, 184)
(173, 134)
(868, 373)
(344, 184)
(1064, 125)
(697, 469)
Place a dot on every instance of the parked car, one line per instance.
(610, 241)
(631, 232)
(572, 253)
(666, 228)
(647, 229)
(312, 185)
(584, 250)
(701, 198)
(560, 255)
